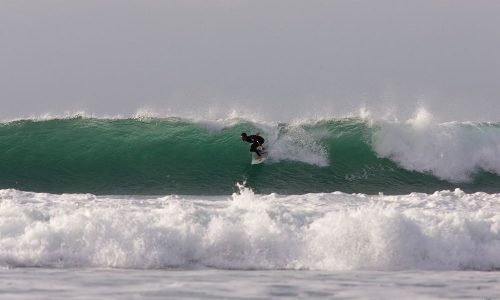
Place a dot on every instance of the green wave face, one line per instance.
(173, 156)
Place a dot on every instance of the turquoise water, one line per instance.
(175, 156)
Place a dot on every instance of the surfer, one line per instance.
(256, 141)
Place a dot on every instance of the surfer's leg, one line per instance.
(253, 148)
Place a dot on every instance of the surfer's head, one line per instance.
(243, 136)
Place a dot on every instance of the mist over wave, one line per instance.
(327, 231)
(151, 155)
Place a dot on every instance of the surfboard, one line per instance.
(255, 160)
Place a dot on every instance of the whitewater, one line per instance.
(344, 208)
(321, 245)
(447, 230)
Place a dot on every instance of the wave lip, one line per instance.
(448, 230)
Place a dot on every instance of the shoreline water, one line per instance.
(43, 283)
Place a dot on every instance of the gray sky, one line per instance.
(279, 59)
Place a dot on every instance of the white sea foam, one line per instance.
(293, 142)
(335, 231)
(451, 151)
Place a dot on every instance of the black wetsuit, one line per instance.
(256, 141)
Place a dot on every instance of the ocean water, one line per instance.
(171, 208)
(154, 156)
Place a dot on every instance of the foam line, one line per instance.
(447, 230)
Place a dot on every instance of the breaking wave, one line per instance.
(178, 156)
(446, 230)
